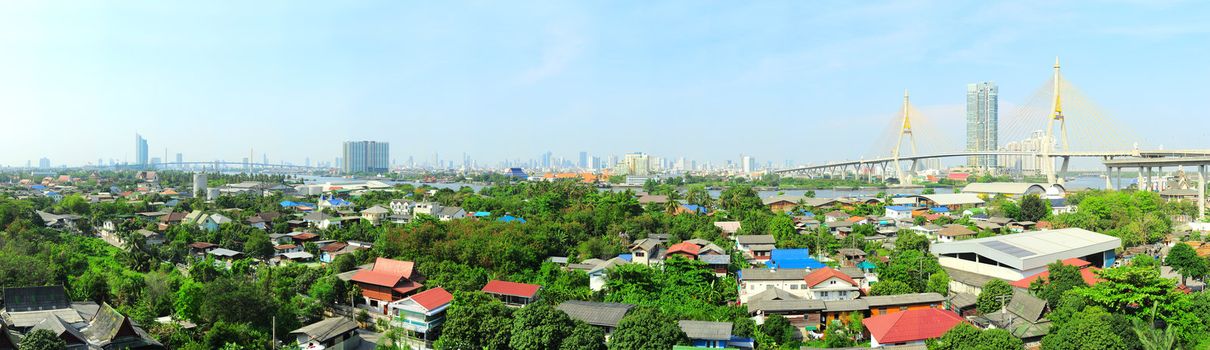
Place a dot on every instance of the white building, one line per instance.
(756, 280)
(1016, 256)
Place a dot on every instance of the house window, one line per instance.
(823, 294)
(882, 311)
(933, 305)
(842, 293)
(803, 286)
(793, 287)
(638, 254)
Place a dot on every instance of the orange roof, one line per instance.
(911, 325)
(433, 298)
(855, 219)
(524, 290)
(823, 274)
(1077, 262)
(685, 247)
(392, 266)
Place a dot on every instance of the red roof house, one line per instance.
(433, 298)
(389, 280)
(512, 293)
(823, 274)
(1087, 272)
(910, 327)
(686, 249)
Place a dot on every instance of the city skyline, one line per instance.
(574, 77)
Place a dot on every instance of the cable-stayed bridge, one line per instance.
(1046, 116)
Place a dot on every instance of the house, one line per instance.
(953, 232)
(646, 251)
(603, 315)
(375, 214)
(834, 216)
(910, 327)
(321, 221)
(332, 202)
(387, 281)
(755, 247)
(329, 252)
(262, 220)
(296, 257)
(1061, 206)
(728, 227)
(512, 293)
(173, 218)
(831, 284)
(83, 325)
(1021, 316)
(422, 314)
(150, 238)
(851, 256)
(402, 206)
(212, 222)
(224, 254)
(804, 314)
(705, 334)
(596, 270)
(1016, 256)
(796, 258)
(508, 218)
(753, 281)
(201, 248)
(951, 201)
(900, 212)
(286, 248)
(450, 213)
(786, 203)
(645, 199)
(330, 333)
(889, 304)
(685, 249)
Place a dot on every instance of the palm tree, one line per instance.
(674, 202)
(1152, 338)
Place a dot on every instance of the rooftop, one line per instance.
(1030, 250)
(911, 325)
(595, 313)
(706, 330)
(523, 290)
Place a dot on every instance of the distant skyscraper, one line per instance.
(180, 158)
(747, 164)
(635, 164)
(982, 122)
(44, 163)
(583, 160)
(366, 156)
(140, 150)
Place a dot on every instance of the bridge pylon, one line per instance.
(904, 129)
(1056, 114)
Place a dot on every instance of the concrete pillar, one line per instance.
(1142, 184)
(1108, 176)
(1201, 192)
(1118, 178)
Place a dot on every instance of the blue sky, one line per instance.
(801, 80)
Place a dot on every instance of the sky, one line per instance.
(807, 81)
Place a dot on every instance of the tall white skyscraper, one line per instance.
(366, 157)
(140, 150)
(982, 122)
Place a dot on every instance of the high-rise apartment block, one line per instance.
(982, 122)
(366, 157)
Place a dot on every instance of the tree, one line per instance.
(782, 228)
(1185, 261)
(42, 339)
(584, 337)
(837, 335)
(939, 282)
(961, 337)
(223, 334)
(647, 329)
(539, 327)
(476, 320)
(998, 339)
(234, 300)
(778, 329)
(1062, 278)
(258, 246)
(908, 240)
(993, 296)
(1088, 329)
(1033, 208)
(891, 287)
